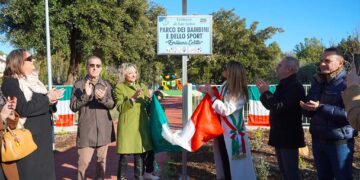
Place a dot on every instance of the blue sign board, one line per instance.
(184, 35)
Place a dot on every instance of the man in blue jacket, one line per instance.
(332, 135)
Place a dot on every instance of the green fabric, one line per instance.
(133, 122)
(157, 121)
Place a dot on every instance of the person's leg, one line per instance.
(149, 157)
(224, 157)
(341, 157)
(85, 155)
(101, 153)
(122, 167)
(139, 166)
(280, 161)
(322, 163)
(290, 163)
(149, 161)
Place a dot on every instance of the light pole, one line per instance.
(48, 53)
(184, 100)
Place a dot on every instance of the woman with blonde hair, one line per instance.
(133, 137)
(232, 150)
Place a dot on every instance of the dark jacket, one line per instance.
(95, 126)
(285, 113)
(329, 121)
(39, 164)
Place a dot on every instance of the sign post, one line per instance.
(184, 35)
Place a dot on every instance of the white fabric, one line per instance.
(243, 168)
(28, 85)
(181, 137)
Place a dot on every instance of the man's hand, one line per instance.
(88, 88)
(262, 85)
(100, 94)
(310, 106)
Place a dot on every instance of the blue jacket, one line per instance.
(329, 121)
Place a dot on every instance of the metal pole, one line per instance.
(48, 53)
(184, 100)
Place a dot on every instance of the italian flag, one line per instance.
(258, 115)
(203, 126)
(65, 117)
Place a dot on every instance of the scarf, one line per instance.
(28, 86)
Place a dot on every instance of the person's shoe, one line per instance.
(150, 176)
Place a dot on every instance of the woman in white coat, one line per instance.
(232, 150)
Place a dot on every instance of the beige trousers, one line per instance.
(85, 155)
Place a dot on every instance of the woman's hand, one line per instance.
(136, 95)
(8, 110)
(55, 94)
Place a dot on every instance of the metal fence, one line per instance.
(196, 100)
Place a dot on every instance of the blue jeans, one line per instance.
(288, 160)
(333, 161)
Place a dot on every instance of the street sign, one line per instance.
(184, 35)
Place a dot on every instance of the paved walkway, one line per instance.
(66, 162)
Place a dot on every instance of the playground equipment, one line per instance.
(172, 84)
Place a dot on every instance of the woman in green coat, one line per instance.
(133, 133)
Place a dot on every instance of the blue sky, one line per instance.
(327, 20)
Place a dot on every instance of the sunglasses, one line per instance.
(93, 65)
(30, 58)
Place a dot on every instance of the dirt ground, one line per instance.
(201, 164)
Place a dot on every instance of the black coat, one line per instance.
(285, 113)
(40, 164)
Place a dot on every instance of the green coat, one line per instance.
(133, 123)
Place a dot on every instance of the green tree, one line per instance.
(116, 31)
(350, 46)
(232, 40)
(308, 53)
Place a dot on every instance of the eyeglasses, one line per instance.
(93, 65)
(30, 58)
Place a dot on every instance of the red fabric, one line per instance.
(207, 124)
(233, 136)
(257, 120)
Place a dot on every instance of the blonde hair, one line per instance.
(124, 70)
(236, 80)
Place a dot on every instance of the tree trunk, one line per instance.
(75, 57)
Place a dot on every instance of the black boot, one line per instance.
(138, 166)
(121, 174)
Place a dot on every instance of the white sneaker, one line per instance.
(150, 176)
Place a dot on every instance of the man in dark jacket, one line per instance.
(286, 132)
(93, 98)
(332, 135)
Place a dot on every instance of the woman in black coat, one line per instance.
(34, 104)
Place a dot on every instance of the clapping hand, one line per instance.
(262, 85)
(88, 88)
(137, 94)
(100, 94)
(55, 94)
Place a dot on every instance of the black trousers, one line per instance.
(138, 166)
(224, 157)
(149, 161)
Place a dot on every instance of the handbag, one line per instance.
(16, 144)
